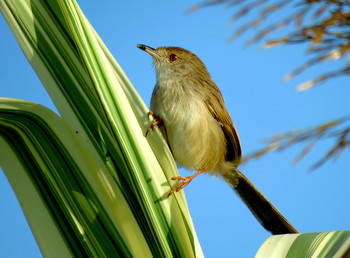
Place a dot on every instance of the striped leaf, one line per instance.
(323, 244)
(102, 183)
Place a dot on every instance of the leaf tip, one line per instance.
(306, 85)
(334, 54)
(288, 77)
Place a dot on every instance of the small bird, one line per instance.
(199, 129)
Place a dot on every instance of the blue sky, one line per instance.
(259, 102)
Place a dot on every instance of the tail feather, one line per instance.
(268, 216)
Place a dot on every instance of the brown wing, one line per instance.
(216, 106)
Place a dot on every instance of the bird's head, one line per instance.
(175, 62)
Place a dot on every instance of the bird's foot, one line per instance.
(185, 181)
(156, 121)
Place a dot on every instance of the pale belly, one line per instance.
(195, 137)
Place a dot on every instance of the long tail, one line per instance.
(268, 216)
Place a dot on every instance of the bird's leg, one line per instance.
(158, 121)
(185, 181)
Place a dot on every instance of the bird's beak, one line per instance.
(153, 52)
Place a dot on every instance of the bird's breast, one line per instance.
(195, 137)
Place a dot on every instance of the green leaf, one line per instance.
(107, 120)
(323, 244)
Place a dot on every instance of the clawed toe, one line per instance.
(156, 121)
(185, 181)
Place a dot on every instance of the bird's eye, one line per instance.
(173, 57)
